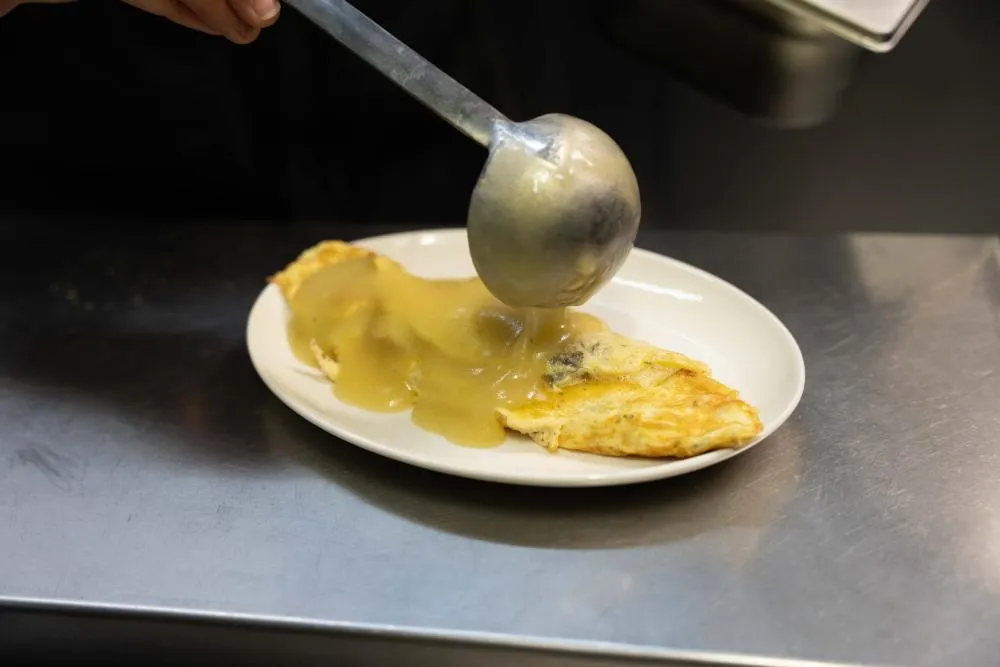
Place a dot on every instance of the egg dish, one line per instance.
(472, 369)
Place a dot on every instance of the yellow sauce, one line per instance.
(445, 348)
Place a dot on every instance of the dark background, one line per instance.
(105, 111)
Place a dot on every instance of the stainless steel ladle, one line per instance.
(556, 208)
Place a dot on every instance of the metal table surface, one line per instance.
(143, 465)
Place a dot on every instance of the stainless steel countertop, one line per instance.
(142, 463)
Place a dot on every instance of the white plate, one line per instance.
(653, 298)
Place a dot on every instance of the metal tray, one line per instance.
(877, 25)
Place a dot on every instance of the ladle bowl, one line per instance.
(556, 208)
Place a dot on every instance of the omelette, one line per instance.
(582, 388)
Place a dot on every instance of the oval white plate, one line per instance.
(653, 298)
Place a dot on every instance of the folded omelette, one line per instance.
(585, 388)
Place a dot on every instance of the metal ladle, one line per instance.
(556, 208)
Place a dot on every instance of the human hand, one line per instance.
(240, 21)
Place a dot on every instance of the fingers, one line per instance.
(260, 13)
(219, 15)
(240, 21)
(241, 28)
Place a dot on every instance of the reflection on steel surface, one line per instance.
(142, 463)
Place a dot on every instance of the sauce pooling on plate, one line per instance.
(445, 348)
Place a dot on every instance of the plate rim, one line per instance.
(619, 477)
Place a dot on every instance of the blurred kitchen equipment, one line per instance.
(556, 208)
(876, 25)
(786, 62)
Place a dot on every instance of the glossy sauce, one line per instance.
(445, 348)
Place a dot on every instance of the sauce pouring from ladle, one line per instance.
(556, 208)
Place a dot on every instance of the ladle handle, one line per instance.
(408, 69)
